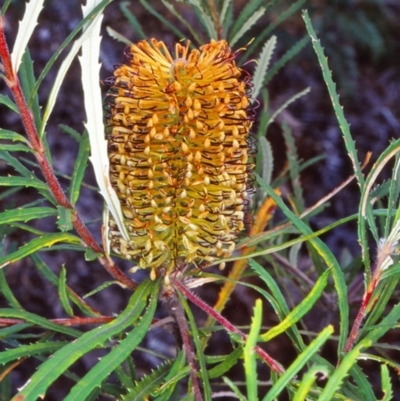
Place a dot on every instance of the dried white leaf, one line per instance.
(26, 27)
(94, 114)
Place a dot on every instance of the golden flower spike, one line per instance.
(179, 149)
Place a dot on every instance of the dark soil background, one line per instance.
(367, 69)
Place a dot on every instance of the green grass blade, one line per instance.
(26, 214)
(52, 368)
(23, 351)
(62, 292)
(38, 244)
(299, 363)
(327, 256)
(111, 361)
(39, 321)
(300, 310)
(250, 362)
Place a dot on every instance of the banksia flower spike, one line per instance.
(179, 149)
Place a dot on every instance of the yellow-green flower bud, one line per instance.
(178, 137)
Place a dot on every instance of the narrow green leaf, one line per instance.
(39, 321)
(12, 181)
(135, 24)
(300, 310)
(79, 169)
(19, 147)
(228, 362)
(200, 353)
(7, 293)
(64, 219)
(282, 61)
(363, 384)
(299, 363)
(62, 292)
(203, 16)
(26, 214)
(14, 162)
(52, 368)
(52, 278)
(162, 19)
(71, 132)
(27, 79)
(111, 361)
(12, 136)
(250, 362)
(262, 66)
(8, 332)
(234, 388)
(36, 245)
(23, 351)
(386, 384)
(328, 257)
(9, 103)
(308, 380)
(243, 16)
(341, 371)
(247, 25)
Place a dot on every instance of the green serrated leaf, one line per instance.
(36, 245)
(26, 214)
(243, 16)
(91, 255)
(62, 292)
(248, 24)
(64, 219)
(71, 132)
(386, 384)
(308, 380)
(148, 384)
(299, 363)
(262, 66)
(23, 351)
(12, 181)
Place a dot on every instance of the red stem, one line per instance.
(274, 365)
(75, 321)
(37, 145)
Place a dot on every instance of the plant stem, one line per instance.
(178, 313)
(274, 365)
(36, 144)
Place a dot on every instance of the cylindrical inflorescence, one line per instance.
(179, 149)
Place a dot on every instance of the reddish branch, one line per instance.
(74, 321)
(274, 365)
(36, 144)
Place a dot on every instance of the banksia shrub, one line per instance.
(180, 153)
